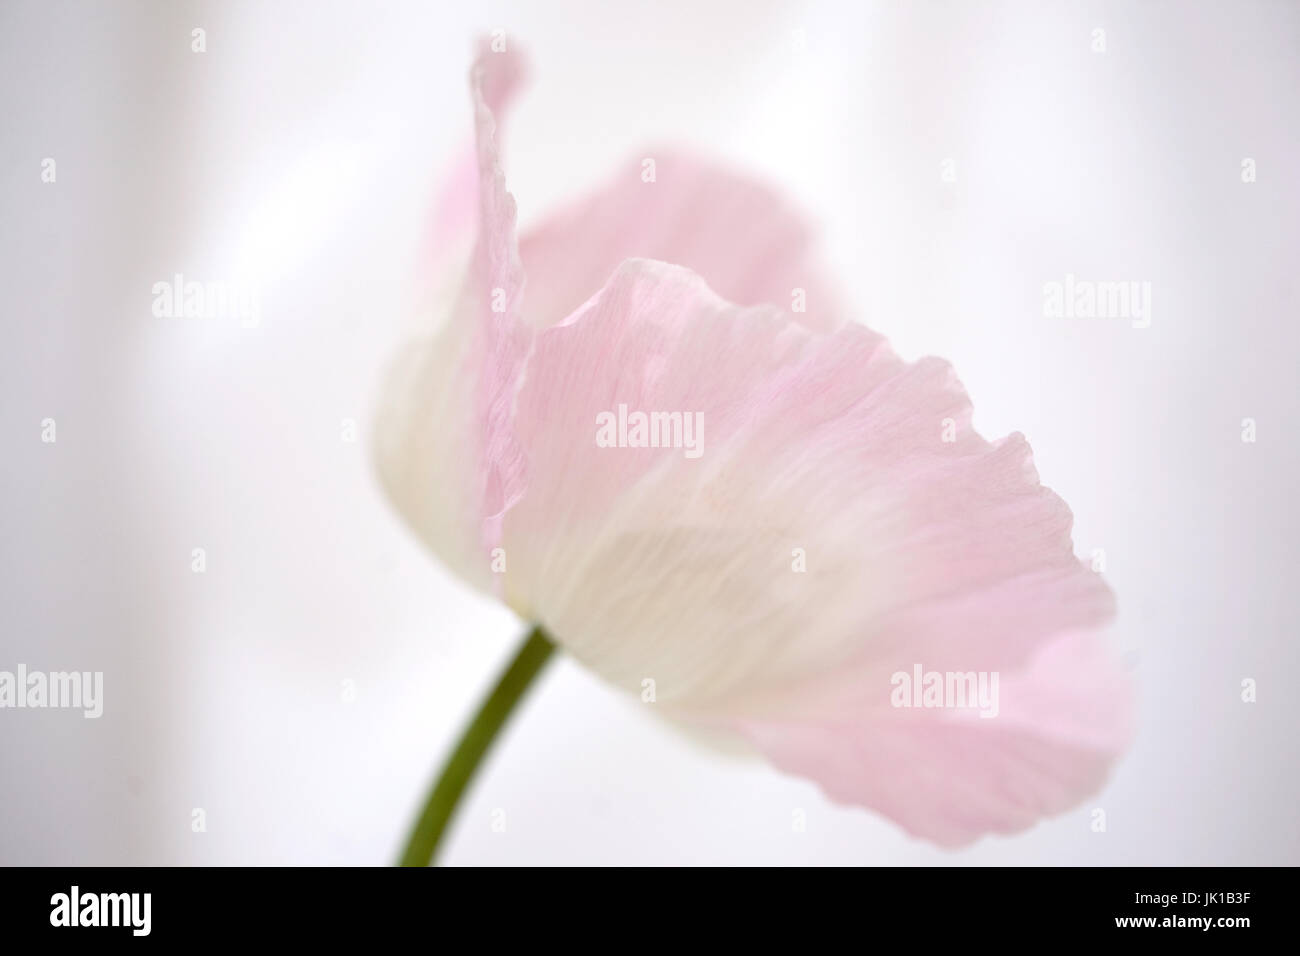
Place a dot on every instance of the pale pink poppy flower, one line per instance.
(842, 530)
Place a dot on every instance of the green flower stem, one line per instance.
(474, 744)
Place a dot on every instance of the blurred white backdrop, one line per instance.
(302, 151)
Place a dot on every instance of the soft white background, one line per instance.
(303, 149)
